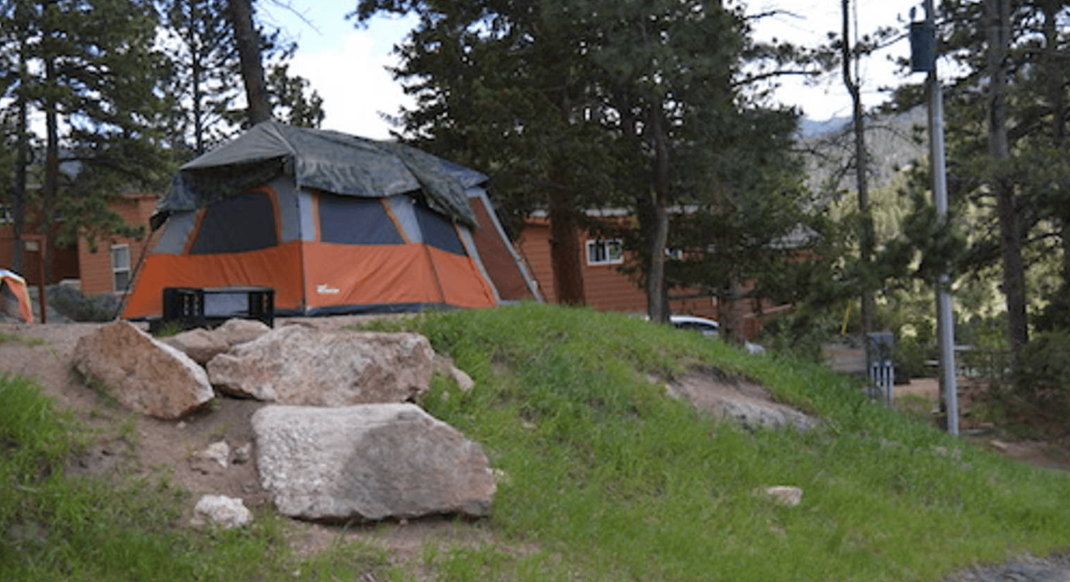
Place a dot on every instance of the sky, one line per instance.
(346, 63)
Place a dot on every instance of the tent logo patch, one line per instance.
(325, 290)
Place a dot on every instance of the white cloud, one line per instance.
(355, 86)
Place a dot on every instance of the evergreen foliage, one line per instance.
(595, 104)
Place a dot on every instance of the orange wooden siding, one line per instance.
(96, 266)
(607, 288)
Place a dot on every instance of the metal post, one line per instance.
(944, 315)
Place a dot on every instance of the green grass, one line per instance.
(59, 527)
(22, 339)
(611, 480)
(608, 479)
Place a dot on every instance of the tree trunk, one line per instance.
(50, 187)
(22, 160)
(657, 294)
(865, 226)
(1053, 70)
(565, 255)
(252, 69)
(998, 16)
(730, 313)
(196, 71)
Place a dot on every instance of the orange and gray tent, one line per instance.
(14, 296)
(334, 224)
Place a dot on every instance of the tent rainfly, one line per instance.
(14, 296)
(334, 224)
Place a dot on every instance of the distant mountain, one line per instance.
(809, 128)
(891, 142)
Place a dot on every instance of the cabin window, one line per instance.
(120, 267)
(605, 252)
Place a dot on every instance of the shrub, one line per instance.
(1044, 370)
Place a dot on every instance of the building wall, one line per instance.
(96, 265)
(608, 289)
(605, 286)
(64, 261)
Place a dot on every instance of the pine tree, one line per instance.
(579, 104)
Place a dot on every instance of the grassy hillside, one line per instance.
(605, 478)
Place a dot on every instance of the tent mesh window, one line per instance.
(236, 224)
(356, 221)
(438, 231)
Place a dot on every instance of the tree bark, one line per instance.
(998, 16)
(865, 227)
(196, 71)
(1056, 79)
(657, 294)
(240, 13)
(50, 187)
(22, 160)
(565, 254)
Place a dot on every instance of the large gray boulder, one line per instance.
(235, 332)
(141, 373)
(368, 462)
(201, 345)
(302, 366)
(737, 400)
(204, 344)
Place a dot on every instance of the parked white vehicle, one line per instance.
(708, 328)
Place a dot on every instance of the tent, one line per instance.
(15, 296)
(334, 224)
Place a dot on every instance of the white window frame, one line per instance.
(601, 252)
(5, 214)
(116, 269)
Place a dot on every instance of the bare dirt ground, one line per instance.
(153, 448)
(1048, 453)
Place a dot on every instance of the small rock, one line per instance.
(999, 445)
(218, 452)
(501, 477)
(243, 453)
(786, 496)
(464, 381)
(220, 509)
(955, 454)
(181, 425)
(445, 366)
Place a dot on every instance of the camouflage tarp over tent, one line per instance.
(334, 223)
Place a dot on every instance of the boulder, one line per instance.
(199, 344)
(368, 462)
(301, 366)
(738, 400)
(141, 373)
(222, 510)
(235, 332)
(204, 344)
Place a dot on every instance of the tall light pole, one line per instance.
(923, 59)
